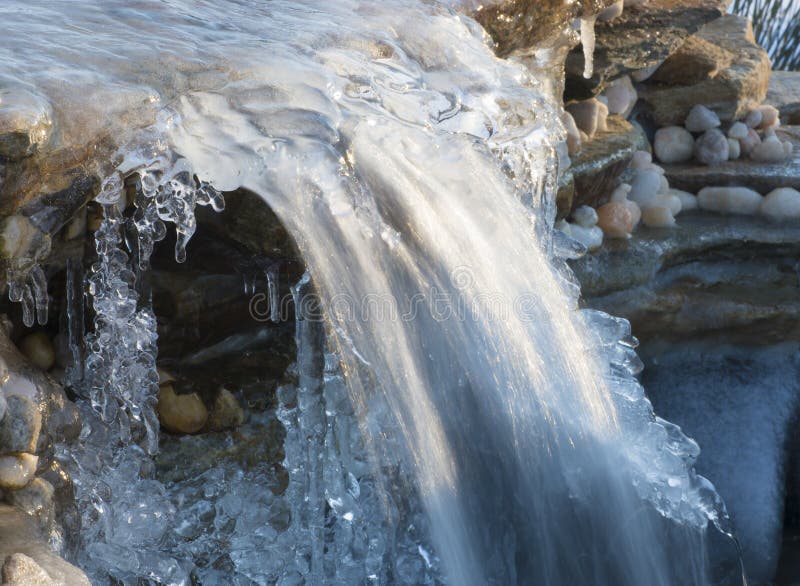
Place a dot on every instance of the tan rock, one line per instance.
(17, 471)
(181, 413)
(732, 85)
(615, 220)
(21, 570)
(38, 349)
(226, 413)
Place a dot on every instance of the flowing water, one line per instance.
(490, 432)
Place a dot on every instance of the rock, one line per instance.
(590, 116)
(620, 195)
(25, 123)
(38, 348)
(762, 177)
(733, 86)
(641, 160)
(734, 149)
(20, 428)
(17, 471)
(781, 204)
(725, 276)
(769, 117)
(621, 96)
(712, 148)
(738, 130)
(669, 201)
(673, 144)
(729, 200)
(523, 24)
(645, 185)
(615, 220)
(639, 38)
(700, 119)
(610, 13)
(784, 93)
(658, 217)
(753, 118)
(36, 500)
(688, 201)
(573, 134)
(596, 169)
(749, 142)
(770, 150)
(181, 413)
(591, 237)
(19, 535)
(226, 413)
(20, 570)
(585, 216)
(3, 406)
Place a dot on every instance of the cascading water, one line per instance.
(502, 436)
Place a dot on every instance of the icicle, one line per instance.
(274, 294)
(588, 41)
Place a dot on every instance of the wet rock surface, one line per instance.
(596, 168)
(784, 93)
(720, 66)
(19, 535)
(714, 275)
(643, 36)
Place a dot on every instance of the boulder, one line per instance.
(784, 93)
(720, 66)
(762, 177)
(642, 37)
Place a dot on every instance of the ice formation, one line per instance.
(408, 162)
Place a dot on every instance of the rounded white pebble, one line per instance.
(712, 148)
(641, 160)
(751, 141)
(729, 200)
(658, 217)
(563, 226)
(645, 186)
(673, 144)
(753, 119)
(591, 237)
(737, 130)
(701, 119)
(688, 200)
(621, 96)
(771, 150)
(782, 204)
(585, 216)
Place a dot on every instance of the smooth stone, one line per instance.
(701, 119)
(781, 204)
(673, 144)
(615, 220)
(620, 195)
(182, 414)
(769, 116)
(591, 238)
(226, 413)
(37, 500)
(749, 142)
(20, 428)
(688, 200)
(612, 12)
(753, 118)
(621, 96)
(641, 160)
(21, 570)
(712, 148)
(734, 149)
(585, 216)
(732, 81)
(668, 200)
(729, 200)
(574, 141)
(658, 217)
(38, 348)
(17, 471)
(738, 130)
(645, 185)
(784, 93)
(770, 150)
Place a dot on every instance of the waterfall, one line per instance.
(416, 172)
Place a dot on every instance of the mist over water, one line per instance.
(409, 164)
